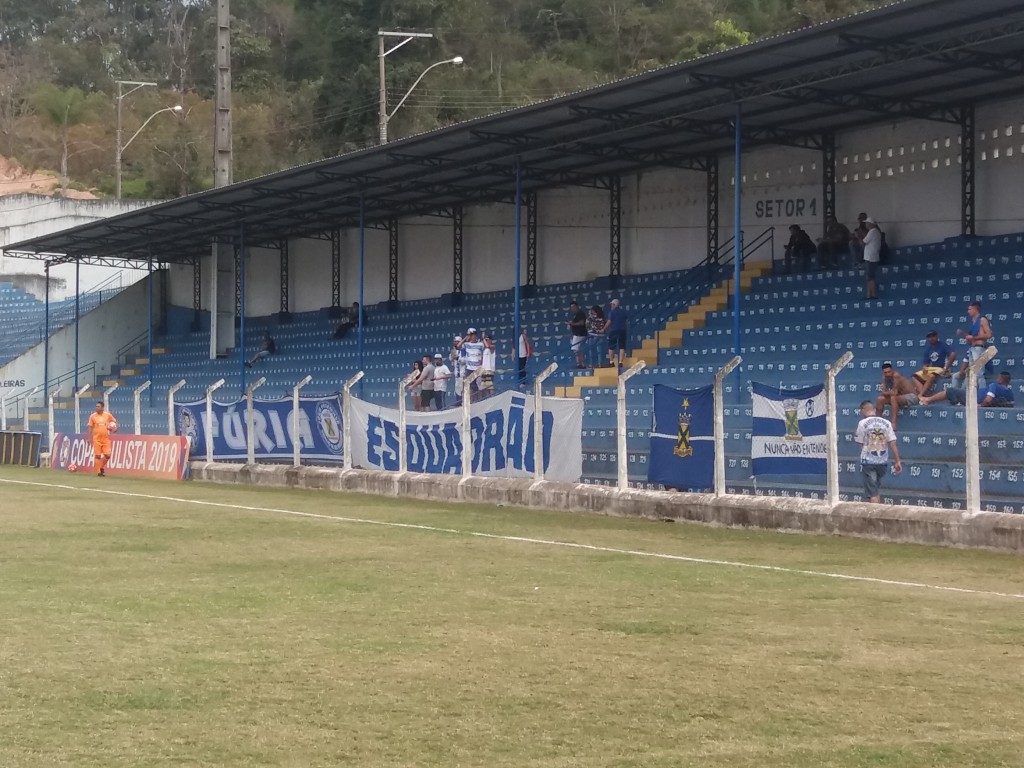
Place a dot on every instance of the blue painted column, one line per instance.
(737, 331)
(78, 268)
(519, 242)
(149, 353)
(46, 342)
(362, 264)
(241, 310)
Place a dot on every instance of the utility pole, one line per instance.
(222, 160)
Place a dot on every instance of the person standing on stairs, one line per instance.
(615, 330)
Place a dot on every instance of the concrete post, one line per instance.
(973, 469)
(208, 426)
(346, 415)
(720, 424)
(49, 415)
(538, 421)
(403, 449)
(620, 414)
(78, 407)
(170, 407)
(832, 430)
(138, 406)
(106, 395)
(3, 410)
(296, 414)
(467, 421)
(250, 419)
(26, 405)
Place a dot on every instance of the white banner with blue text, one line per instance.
(788, 431)
(502, 429)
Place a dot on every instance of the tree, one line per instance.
(63, 108)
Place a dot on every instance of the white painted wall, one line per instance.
(101, 333)
(905, 174)
(23, 217)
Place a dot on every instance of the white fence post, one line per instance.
(346, 426)
(250, 419)
(78, 408)
(26, 404)
(973, 459)
(3, 410)
(170, 407)
(832, 430)
(467, 419)
(538, 421)
(49, 414)
(107, 393)
(620, 415)
(296, 413)
(137, 396)
(720, 424)
(403, 458)
(208, 427)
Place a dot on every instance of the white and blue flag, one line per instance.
(789, 431)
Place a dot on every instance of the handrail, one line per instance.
(56, 383)
(128, 345)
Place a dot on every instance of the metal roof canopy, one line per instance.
(924, 59)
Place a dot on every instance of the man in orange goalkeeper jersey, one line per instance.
(101, 424)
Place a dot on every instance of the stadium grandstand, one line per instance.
(633, 191)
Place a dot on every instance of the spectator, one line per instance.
(856, 236)
(442, 374)
(897, 391)
(426, 383)
(267, 348)
(615, 330)
(353, 319)
(937, 361)
(998, 394)
(474, 357)
(524, 352)
(800, 249)
(488, 364)
(877, 437)
(834, 246)
(458, 360)
(577, 323)
(595, 335)
(415, 389)
(977, 337)
(872, 249)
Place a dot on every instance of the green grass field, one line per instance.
(144, 631)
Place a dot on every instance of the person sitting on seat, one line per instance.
(267, 348)
(998, 394)
(936, 362)
(351, 320)
(800, 249)
(834, 246)
(897, 392)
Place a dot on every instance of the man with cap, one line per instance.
(936, 362)
(897, 391)
(442, 373)
(474, 350)
(998, 394)
(872, 244)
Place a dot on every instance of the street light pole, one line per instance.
(176, 108)
(382, 52)
(118, 148)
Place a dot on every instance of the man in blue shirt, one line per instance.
(615, 330)
(937, 361)
(999, 394)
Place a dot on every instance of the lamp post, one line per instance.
(383, 116)
(119, 148)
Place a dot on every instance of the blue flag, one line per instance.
(788, 437)
(682, 451)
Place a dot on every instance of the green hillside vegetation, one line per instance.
(305, 72)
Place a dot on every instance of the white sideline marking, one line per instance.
(529, 540)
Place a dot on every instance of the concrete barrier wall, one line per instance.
(914, 525)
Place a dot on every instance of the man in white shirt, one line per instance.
(474, 350)
(442, 373)
(877, 438)
(872, 242)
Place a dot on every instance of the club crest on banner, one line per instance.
(328, 424)
(683, 448)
